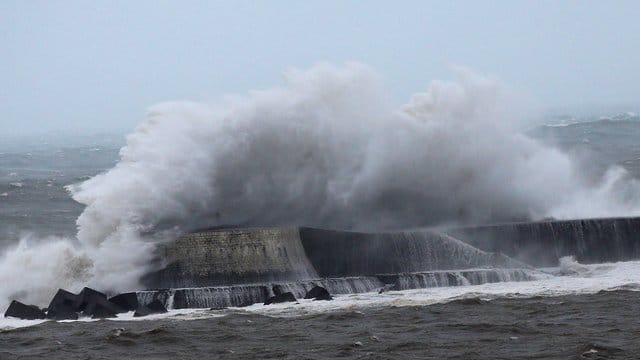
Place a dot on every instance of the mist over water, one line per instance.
(327, 149)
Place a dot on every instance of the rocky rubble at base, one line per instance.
(318, 293)
(89, 303)
(281, 298)
(26, 312)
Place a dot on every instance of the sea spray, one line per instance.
(327, 149)
(32, 272)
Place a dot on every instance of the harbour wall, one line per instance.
(543, 243)
(289, 254)
(221, 268)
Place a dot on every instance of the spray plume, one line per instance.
(328, 149)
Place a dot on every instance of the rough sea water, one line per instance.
(589, 313)
(327, 149)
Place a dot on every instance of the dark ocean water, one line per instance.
(598, 144)
(33, 176)
(604, 325)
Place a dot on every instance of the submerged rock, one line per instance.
(154, 307)
(318, 293)
(283, 297)
(22, 311)
(126, 301)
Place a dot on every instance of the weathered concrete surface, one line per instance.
(264, 255)
(239, 256)
(543, 243)
(220, 268)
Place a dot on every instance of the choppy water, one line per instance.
(33, 176)
(598, 144)
(596, 326)
(574, 311)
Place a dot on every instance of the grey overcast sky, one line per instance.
(98, 65)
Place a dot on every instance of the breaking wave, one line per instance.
(327, 149)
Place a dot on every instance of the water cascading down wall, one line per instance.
(543, 243)
(220, 268)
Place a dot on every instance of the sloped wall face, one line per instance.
(339, 253)
(250, 256)
(211, 258)
(543, 243)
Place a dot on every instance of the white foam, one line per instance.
(176, 314)
(587, 280)
(584, 279)
(9, 323)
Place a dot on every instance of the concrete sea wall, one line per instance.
(221, 268)
(342, 253)
(289, 254)
(265, 255)
(543, 243)
(238, 256)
